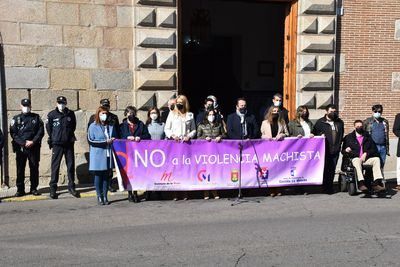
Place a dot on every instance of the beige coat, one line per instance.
(266, 132)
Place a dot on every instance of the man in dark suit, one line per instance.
(332, 127)
(396, 131)
(241, 124)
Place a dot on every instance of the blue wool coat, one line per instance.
(98, 160)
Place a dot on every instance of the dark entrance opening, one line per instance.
(232, 49)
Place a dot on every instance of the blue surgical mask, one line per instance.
(377, 115)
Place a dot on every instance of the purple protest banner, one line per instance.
(200, 165)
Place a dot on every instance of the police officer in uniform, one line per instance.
(60, 126)
(27, 131)
(112, 119)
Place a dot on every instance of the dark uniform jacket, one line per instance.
(368, 146)
(213, 131)
(323, 127)
(24, 127)
(61, 127)
(234, 127)
(140, 130)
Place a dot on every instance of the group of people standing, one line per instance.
(27, 131)
(366, 145)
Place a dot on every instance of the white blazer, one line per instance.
(180, 126)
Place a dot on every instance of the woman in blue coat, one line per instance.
(100, 137)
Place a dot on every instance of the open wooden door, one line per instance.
(290, 60)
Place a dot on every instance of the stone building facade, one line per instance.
(347, 52)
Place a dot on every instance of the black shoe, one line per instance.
(34, 192)
(100, 201)
(19, 194)
(112, 189)
(147, 196)
(53, 195)
(133, 197)
(329, 191)
(105, 201)
(136, 198)
(74, 193)
(130, 197)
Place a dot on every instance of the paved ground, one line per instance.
(313, 230)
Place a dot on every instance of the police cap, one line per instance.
(105, 103)
(26, 102)
(62, 100)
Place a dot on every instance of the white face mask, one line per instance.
(61, 107)
(153, 116)
(377, 115)
(277, 103)
(211, 118)
(103, 117)
(26, 109)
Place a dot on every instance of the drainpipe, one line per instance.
(3, 118)
(336, 65)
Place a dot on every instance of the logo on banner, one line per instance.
(202, 176)
(167, 177)
(293, 171)
(234, 175)
(262, 173)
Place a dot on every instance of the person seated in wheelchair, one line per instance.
(359, 147)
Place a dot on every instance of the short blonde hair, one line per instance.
(185, 103)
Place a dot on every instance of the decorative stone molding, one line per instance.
(316, 54)
(318, 7)
(155, 52)
(316, 82)
(307, 62)
(151, 80)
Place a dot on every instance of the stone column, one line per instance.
(155, 52)
(316, 54)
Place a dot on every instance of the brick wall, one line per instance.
(369, 45)
(81, 49)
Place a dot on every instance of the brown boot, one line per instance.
(362, 187)
(378, 188)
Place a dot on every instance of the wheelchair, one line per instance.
(348, 181)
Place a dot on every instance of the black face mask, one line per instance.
(179, 106)
(132, 119)
(172, 107)
(209, 107)
(305, 116)
(359, 130)
(243, 110)
(275, 116)
(333, 116)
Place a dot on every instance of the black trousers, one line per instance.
(58, 152)
(33, 157)
(329, 171)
